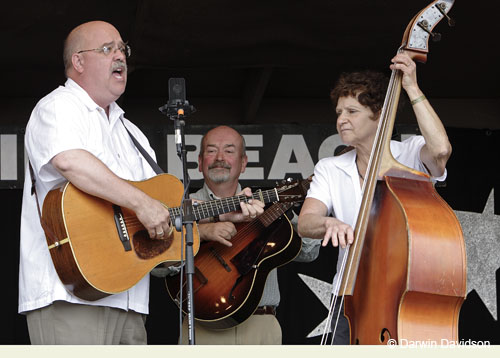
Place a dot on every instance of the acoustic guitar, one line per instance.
(99, 249)
(229, 281)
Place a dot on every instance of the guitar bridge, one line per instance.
(121, 228)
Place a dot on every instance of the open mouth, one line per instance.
(118, 72)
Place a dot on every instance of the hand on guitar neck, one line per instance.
(249, 211)
(224, 230)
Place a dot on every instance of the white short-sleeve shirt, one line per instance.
(66, 119)
(336, 183)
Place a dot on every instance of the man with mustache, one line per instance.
(78, 133)
(222, 159)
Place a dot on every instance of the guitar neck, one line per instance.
(216, 207)
(278, 209)
(274, 212)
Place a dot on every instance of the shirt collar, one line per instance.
(346, 160)
(114, 110)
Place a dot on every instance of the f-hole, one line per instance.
(385, 335)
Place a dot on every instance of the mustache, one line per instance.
(118, 64)
(219, 164)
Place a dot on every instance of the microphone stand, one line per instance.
(176, 112)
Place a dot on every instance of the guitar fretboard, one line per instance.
(278, 209)
(211, 208)
(273, 213)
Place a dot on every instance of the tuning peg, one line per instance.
(435, 35)
(442, 7)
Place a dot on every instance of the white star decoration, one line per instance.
(482, 241)
(323, 291)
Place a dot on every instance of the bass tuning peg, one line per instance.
(424, 26)
(442, 7)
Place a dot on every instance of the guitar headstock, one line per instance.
(420, 29)
(293, 190)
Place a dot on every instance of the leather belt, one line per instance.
(266, 310)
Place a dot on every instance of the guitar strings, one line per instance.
(211, 207)
(214, 207)
(274, 210)
(221, 250)
(269, 216)
(132, 221)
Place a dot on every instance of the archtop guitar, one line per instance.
(229, 281)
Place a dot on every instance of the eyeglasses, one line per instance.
(107, 49)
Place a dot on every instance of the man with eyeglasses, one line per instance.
(78, 133)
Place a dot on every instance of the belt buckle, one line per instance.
(266, 310)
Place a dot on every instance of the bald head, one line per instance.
(80, 38)
(227, 132)
(102, 74)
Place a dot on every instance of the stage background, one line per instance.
(266, 67)
(300, 311)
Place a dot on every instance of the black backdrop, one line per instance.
(472, 173)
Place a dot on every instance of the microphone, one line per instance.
(177, 104)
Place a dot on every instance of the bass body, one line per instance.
(411, 281)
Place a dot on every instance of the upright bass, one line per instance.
(405, 275)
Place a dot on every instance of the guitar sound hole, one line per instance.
(146, 248)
